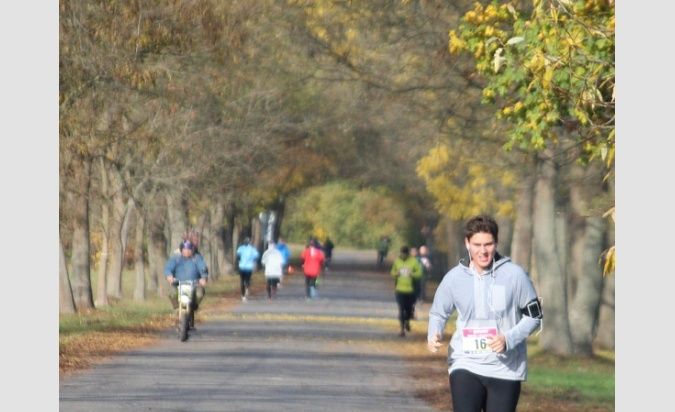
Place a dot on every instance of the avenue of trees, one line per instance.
(202, 114)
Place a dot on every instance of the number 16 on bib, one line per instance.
(474, 340)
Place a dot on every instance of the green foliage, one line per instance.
(350, 216)
(553, 67)
(549, 71)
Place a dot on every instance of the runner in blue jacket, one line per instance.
(247, 261)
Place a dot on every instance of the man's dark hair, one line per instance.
(481, 223)
(405, 250)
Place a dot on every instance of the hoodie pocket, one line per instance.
(497, 300)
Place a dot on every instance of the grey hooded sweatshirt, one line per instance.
(492, 300)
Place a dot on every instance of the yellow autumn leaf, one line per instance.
(610, 261)
(455, 44)
(548, 77)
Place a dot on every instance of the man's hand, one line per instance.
(498, 343)
(434, 343)
(170, 279)
(202, 281)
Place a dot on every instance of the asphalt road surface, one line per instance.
(286, 355)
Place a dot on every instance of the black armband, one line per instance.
(533, 309)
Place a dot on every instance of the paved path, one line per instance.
(285, 355)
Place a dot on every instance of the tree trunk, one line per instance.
(589, 232)
(66, 301)
(211, 240)
(256, 233)
(206, 243)
(586, 303)
(177, 218)
(81, 266)
(115, 263)
(101, 288)
(139, 262)
(562, 244)
(157, 244)
(505, 235)
(556, 336)
(454, 241)
(230, 237)
(521, 249)
(605, 333)
(218, 240)
(118, 236)
(280, 209)
(129, 213)
(151, 279)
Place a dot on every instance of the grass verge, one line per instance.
(88, 338)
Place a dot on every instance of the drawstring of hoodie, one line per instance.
(491, 275)
(490, 295)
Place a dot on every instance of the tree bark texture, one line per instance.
(231, 236)
(454, 241)
(562, 244)
(605, 335)
(505, 235)
(80, 260)
(177, 213)
(139, 262)
(221, 252)
(157, 244)
(151, 281)
(521, 249)
(102, 268)
(587, 298)
(605, 332)
(66, 301)
(256, 233)
(117, 236)
(556, 336)
(216, 217)
(588, 242)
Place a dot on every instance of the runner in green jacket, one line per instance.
(405, 270)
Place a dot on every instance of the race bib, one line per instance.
(404, 271)
(474, 340)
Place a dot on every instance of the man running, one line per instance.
(247, 257)
(497, 309)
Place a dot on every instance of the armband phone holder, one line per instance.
(533, 309)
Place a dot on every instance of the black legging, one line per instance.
(272, 286)
(476, 393)
(244, 280)
(310, 282)
(405, 306)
